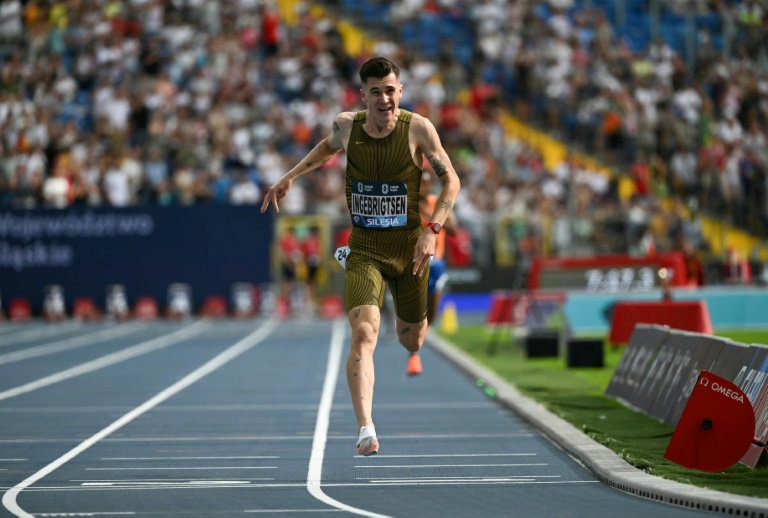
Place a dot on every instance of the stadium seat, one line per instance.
(214, 306)
(84, 308)
(146, 308)
(19, 310)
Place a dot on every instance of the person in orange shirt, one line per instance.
(438, 268)
(291, 255)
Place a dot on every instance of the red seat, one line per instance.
(214, 306)
(146, 308)
(19, 310)
(85, 309)
(331, 307)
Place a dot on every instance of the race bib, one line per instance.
(341, 255)
(379, 204)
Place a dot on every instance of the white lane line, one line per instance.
(454, 455)
(451, 479)
(165, 408)
(411, 466)
(426, 437)
(439, 480)
(68, 344)
(284, 485)
(276, 438)
(164, 479)
(26, 335)
(489, 482)
(62, 410)
(168, 439)
(437, 406)
(279, 511)
(200, 482)
(12, 460)
(87, 513)
(315, 471)
(230, 408)
(164, 468)
(117, 487)
(192, 458)
(250, 341)
(109, 359)
(139, 481)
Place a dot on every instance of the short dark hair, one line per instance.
(378, 67)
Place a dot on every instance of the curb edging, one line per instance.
(605, 464)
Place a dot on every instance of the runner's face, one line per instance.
(382, 97)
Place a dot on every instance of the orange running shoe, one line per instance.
(414, 365)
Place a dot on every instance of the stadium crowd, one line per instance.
(174, 102)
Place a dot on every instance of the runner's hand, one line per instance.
(276, 193)
(423, 253)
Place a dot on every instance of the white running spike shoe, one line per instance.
(367, 443)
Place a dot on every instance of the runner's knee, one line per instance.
(364, 336)
(411, 336)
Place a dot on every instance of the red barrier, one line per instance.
(146, 308)
(19, 310)
(685, 315)
(715, 429)
(85, 309)
(512, 308)
(332, 306)
(215, 306)
(502, 304)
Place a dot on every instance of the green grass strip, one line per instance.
(577, 396)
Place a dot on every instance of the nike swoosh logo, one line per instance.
(359, 141)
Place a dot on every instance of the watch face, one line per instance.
(436, 227)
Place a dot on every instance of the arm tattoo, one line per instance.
(447, 205)
(437, 165)
(356, 312)
(336, 127)
(309, 165)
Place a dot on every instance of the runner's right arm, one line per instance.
(334, 142)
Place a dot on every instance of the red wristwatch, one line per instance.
(435, 226)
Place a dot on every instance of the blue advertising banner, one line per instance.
(85, 250)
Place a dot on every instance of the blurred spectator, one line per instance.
(291, 258)
(693, 264)
(116, 183)
(11, 20)
(312, 249)
(244, 191)
(736, 269)
(155, 184)
(56, 187)
(164, 102)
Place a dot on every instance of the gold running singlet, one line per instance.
(383, 199)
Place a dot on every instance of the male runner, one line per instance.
(385, 147)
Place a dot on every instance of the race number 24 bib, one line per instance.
(379, 204)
